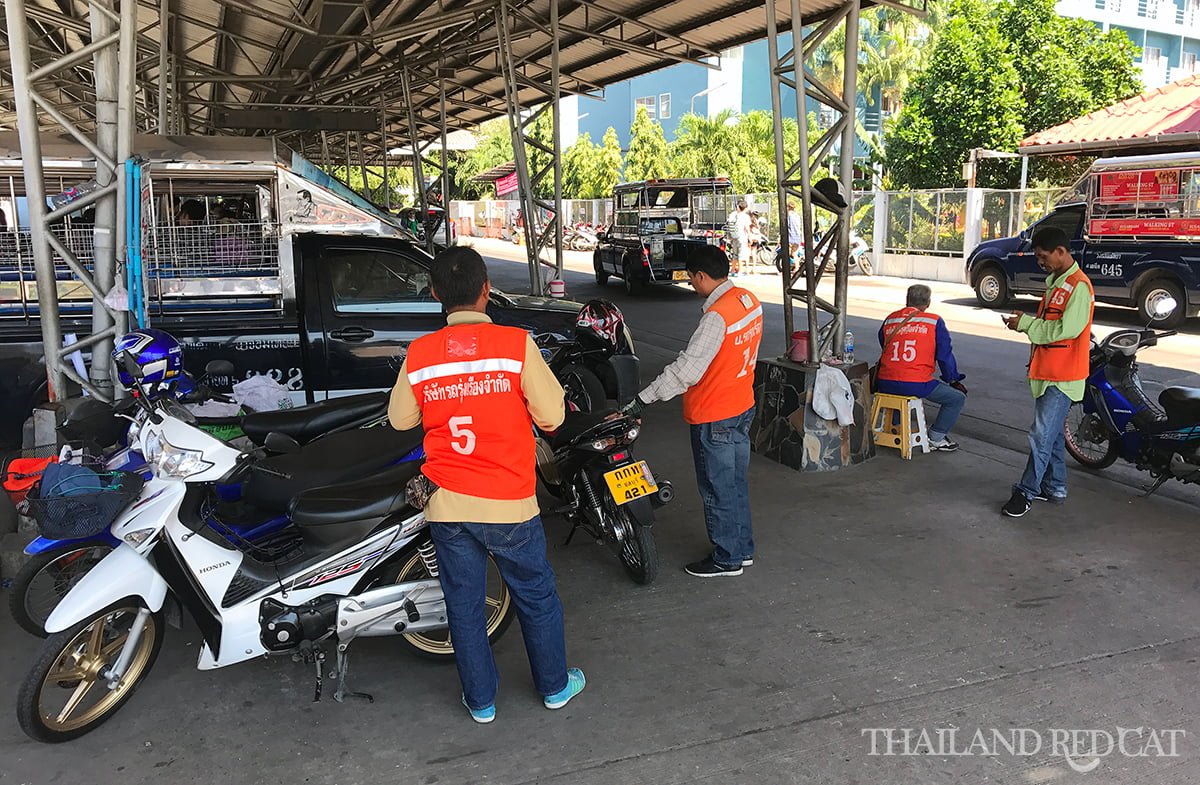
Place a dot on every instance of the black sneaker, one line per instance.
(710, 569)
(1049, 497)
(944, 445)
(1017, 506)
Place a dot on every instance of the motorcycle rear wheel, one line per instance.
(45, 579)
(70, 665)
(582, 389)
(436, 644)
(639, 552)
(1088, 440)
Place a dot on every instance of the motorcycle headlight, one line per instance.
(139, 536)
(177, 463)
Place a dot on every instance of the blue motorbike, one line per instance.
(251, 515)
(1117, 419)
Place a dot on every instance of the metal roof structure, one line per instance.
(226, 56)
(1166, 118)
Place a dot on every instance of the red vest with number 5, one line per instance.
(1065, 361)
(912, 351)
(727, 387)
(478, 432)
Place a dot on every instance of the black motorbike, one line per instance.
(610, 494)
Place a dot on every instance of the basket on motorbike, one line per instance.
(71, 501)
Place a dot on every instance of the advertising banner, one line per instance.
(1145, 227)
(506, 184)
(1152, 185)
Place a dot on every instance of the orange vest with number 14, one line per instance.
(727, 387)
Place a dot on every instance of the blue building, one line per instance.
(1167, 31)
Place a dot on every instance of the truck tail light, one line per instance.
(645, 257)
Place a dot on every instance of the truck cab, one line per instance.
(1134, 225)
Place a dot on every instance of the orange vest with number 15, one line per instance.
(1064, 361)
(727, 387)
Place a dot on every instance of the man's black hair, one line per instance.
(1051, 238)
(193, 209)
(458, 276)
(711, 260)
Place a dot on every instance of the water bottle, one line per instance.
(849, 352)
(73, 193)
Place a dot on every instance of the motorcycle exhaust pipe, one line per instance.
(664, 494)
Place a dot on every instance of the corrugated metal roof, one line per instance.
(231, 53)
(1159, 119)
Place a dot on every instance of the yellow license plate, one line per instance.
(679, 275)
(630, 482)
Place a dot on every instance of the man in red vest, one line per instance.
(1058, 368)
(913, 340)
(715, 376)
(478, 388)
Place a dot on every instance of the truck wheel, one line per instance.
(991, 287)
(601, 276)
(1160, 289)
(634, 285)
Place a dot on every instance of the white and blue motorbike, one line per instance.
(367, 568)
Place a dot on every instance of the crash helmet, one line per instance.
(157, 353)
(601, 325)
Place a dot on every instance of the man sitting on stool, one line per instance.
(912, 340)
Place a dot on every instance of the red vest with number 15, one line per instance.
(478, 432)
(911, 352)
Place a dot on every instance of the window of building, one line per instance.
(1189, 62)
(650, 103)
(1151, 56)
(664, 106)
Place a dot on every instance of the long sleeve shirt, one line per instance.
(1074, 321)
(544, 397)
(692, 363)
(944, 356)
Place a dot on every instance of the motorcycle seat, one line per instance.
(335, 458)
(305, 423)
(1182, 405)
(575, 425)
(335, 513)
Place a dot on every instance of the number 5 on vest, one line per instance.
(459, 432)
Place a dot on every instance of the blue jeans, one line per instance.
(721, 451)
(520, 552)
(950, 402)
(1046, 469)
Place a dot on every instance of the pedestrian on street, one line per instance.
(478, 388)
(715, 376)
(795, 230)
(744, 226)
(1058, 367)
(912, 340)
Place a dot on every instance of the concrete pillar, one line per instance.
(974, 225)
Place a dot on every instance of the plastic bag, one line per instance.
(216, 409)
(262, 394)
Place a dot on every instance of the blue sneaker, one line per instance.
(482, 716)
(575, 684)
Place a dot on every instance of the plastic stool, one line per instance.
(903, 436)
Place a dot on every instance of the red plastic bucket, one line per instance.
(798, 353)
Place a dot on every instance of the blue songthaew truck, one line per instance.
(1135, 229)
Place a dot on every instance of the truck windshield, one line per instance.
(666, 197)
(661, 226)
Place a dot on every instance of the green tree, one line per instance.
(399, 178)
(493, 147)
(969, 96)
(583, 176)
(609, 168)
(707, 147)
(648, 155)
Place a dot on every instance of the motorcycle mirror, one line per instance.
(281, 443)
(1161, 308)
(219, 368)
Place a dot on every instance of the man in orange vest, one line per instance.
(715, 376)
(1058, 368)
(913, 340)
(478, 388)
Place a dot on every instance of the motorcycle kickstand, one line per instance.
(343, 665)
(314, 657)
(1158, 483)
(571, 534)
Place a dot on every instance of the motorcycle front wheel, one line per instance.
(1088, 440)
(436, 644)
(66, 693)
(45, 579)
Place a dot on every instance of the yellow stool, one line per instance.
(903, 436)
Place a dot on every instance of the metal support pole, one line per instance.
(849, 137)
(780, 165)
(35, 193)
(164, 28)
(445, 156)
(362, 163)
(414, 145)
(383, 141)
(556, 142)
(810, 255)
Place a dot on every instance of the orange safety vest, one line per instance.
(727, 387)
(478, 431)
(909, 351)
(1065, 361)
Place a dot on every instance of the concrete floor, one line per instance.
(890, 595)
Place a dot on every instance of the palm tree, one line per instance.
(706, 146)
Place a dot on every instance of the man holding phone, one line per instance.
(1058, 368)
